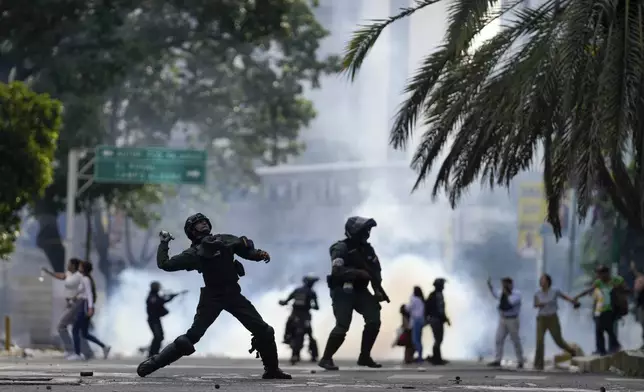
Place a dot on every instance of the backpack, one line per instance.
(619, 302)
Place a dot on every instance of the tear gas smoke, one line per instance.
(406, 241)
(401, 271)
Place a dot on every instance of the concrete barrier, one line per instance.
(627, 363)
(630, 363)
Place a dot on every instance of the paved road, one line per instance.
(204, 374)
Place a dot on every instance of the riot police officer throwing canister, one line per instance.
(213, 255)
(354, 266)
(299, 322)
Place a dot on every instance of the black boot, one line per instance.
(332, 346)
(369, 336)
(268, 353)
(171, 353)
(313, 350)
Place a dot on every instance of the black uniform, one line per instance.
(304, 299)
(155, 305)
(213, 257)
(435, 312)
(354, 265)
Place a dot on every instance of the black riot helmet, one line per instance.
(192, 220)
(155, 287)
(359, 228)
(309, 280)
(439, 284)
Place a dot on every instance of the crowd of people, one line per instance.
(80, 297)
(354, 267)
(610, 303)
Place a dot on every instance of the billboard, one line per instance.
(532, 214)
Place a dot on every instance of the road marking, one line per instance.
(624, 379)
(513, 377)
(415, 376)
(516, 389)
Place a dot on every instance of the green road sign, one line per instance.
(152, 165)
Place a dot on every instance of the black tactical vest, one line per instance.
(217, 263)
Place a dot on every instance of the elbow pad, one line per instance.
(247, 242)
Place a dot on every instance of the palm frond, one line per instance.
(467, 19)
(366, 36)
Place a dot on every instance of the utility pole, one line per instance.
(73, 192)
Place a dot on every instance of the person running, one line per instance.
(85, 313)
(545, 300)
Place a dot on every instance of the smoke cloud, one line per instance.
(413, 240)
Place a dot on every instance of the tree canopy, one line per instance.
(563, 81)
(231, 73)
(29, 127)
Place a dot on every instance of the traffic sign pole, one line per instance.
(72, 188)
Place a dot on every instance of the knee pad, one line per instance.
(184, 345)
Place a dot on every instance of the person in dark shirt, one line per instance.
(304, 299)
(213, 255)
(437, 318)
(155, 304)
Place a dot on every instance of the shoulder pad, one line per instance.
(339, 246)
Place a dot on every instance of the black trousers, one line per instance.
(213, 301)
(298, 325)
(438, 330)
(605, 323)
(157, 335)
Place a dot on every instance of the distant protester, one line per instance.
(610, 305)
(509, 310)
(72, 280)
(85, 312)
(416, 309)
(545, 300)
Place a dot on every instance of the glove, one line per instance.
(165, 236)
(263, 256)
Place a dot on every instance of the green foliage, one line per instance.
(231, 72)
(29, 126)
(534, 86)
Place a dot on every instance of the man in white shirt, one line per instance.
(72, 279)
(509, 309)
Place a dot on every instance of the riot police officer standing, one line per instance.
(304, 299)
(155, 305)
(213, 255)
(354, 266)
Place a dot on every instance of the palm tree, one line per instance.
(566, 77)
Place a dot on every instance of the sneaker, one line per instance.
(76, 357)
(106, 351)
